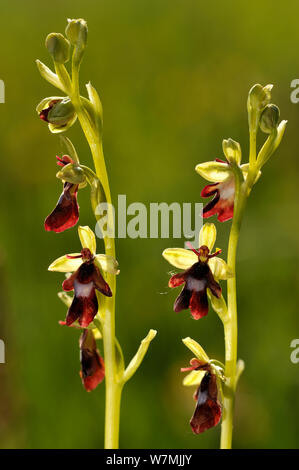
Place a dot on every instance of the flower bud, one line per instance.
(259, 96)
(58, 112)
(232, 151)
(269, 118)
(58, 47)
(76, 31)
(72, 173)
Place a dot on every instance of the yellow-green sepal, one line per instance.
(179, 257)
(220, 269)
(45, 102)
(218, 305)
(213, 171)
(207, 235)
(50, 76)
(196, 349)
(194, 378)
(107, 264)
(65, 264)
(87, 238)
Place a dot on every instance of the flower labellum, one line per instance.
(92, 370)
(84, 282)
(58, 112)
(197, 279)
(66, 213)
(207, 413)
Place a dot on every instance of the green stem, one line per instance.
(231, 321)
(252, 143)
(113, 387)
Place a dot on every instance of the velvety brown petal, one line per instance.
(208, 410)
(92, 365)
(199, 305)
(213, 285)
(66, 213)
(83, 308)
(182, 301)
(100, 284)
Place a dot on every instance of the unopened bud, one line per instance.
(259, 96)
(232, 151)
(76, 31)
(58, 47)
(269, 118)
(58, 112)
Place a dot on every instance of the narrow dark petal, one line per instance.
(213, 285)
(177, 280)
(182, 301)
(207, 413)
(66, 213)
(100, 284)
(199, 305)
(211, 207)
(73, 312)
(209, 190)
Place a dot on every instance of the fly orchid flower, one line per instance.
(201, 269)
(220, 173)
(58, 112)
(86, 278)
(206, 375)
(92, 364)
(66, 213)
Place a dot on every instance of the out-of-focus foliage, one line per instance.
(173, 78)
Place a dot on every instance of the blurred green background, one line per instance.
(173, 77)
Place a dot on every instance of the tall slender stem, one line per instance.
(113, 388)
(242, 191)
(231, 330)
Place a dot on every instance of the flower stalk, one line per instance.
(231, 186)
(94, 276)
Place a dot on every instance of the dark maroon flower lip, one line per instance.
(222, 203)
(196, 280)
(92, 371)
(66, 212)
(85, 281)
(208, 412)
